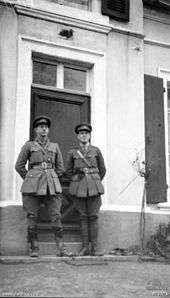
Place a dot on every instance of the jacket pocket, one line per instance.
(98, 183)
(31, 181)
(56, 181)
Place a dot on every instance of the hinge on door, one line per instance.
(164, 89)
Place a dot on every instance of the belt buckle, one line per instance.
(86, 171)
(44, 165)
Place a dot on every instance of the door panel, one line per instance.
(156, 186)
(66, 111)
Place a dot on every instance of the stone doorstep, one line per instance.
(85, 260)
(49, 248)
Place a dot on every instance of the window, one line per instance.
(74, 79)
(81, 4)
(117, 9)
(50, 72)
(44, 73)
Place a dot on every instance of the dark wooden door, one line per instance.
(65, 110)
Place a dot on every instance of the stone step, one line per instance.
(49, 248)
(71, 233)
(45, 236)
(49, 237)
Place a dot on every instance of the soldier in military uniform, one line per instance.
(41, 182)
(86, 168)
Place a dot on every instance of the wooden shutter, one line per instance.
(156, 187)
(160, 5)
(116, 9)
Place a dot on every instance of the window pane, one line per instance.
(74, 79)
(45, 74)
(82, 4)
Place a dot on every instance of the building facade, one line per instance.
(107, 62)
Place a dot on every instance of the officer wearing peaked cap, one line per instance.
(41, 181)
(83, 126)
(85, 166)
(41, 120)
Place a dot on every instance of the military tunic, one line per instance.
(85, 176)
(41, 180)
(45, 166)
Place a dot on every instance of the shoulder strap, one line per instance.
(85, 160)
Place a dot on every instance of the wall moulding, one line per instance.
(157, 43)
(86, 23)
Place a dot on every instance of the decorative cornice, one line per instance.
(62, 19)
(128, 32)
(160, 19)
(51, 43)
(157, 43)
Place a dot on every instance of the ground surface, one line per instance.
(85, 279)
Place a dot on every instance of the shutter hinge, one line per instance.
(164, 90)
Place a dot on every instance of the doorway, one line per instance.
(65, 109)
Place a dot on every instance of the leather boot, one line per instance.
(60, 248)
(93, 229)
(33, 242)
(85, 238)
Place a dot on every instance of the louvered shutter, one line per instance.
(156, 186)
(116, 9)
(160, 5)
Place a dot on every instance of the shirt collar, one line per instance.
(42, 141)
(84, 147)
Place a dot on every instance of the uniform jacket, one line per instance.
(85, 179)
(37, 178)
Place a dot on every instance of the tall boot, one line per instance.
(93, 230)
(33, 242)
(85, 238)
(60, 248)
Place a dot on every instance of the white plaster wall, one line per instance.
(157, 42)
(8, 75)
(125, 123)
(81, 38)
(156, 57)
(157, 27)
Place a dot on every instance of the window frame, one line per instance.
(60, 64)
(89, 6)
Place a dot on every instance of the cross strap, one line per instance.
(41, 148)
(84, 159)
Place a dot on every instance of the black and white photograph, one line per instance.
(85, 148)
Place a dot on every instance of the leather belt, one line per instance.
(42, 165)
(90, 170)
